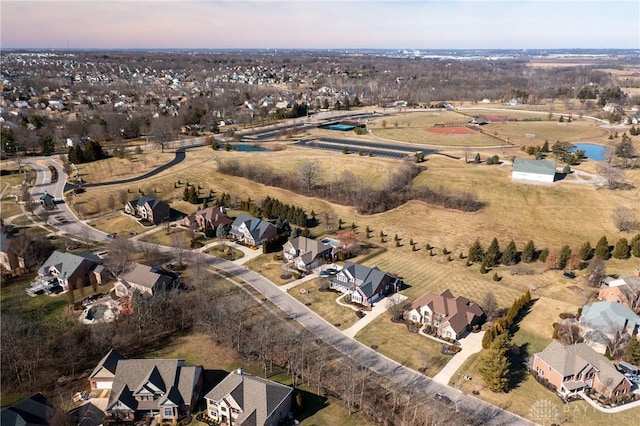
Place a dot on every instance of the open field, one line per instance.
(416, 127)
(396, 342)
(579, 130)
(9, 208)
(324, 304)
(115, 168)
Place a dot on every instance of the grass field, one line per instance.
(270, 267)
(225, 252)
(324, 304)
(118, 222)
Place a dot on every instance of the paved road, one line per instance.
(476, 408)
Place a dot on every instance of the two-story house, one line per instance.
(164, 389)
(453, 317)
(211, 216)
(252, 231)
(148, 208)
(363, 284)
(243, 399)
(306, 254)
(67, 269)
(624, 290)
(574, 368)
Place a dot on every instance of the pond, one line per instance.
(592, 151)
(247, 147)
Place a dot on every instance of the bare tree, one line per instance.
(490, 305)
(310, 174)
(27, 198)
(119, 257)
(111, 202)
(613, 175)
(625, 219)
(569, 332)
(395, 307)
(595, 272)
(123, 197)
(179, 245)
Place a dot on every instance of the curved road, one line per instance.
(480, 410)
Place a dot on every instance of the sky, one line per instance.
(320, 24)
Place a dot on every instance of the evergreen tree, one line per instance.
(495, 364)
(510, 255)
(565, 254)
(602, 249)
(529, 252)
(635, 246)
(185, 194)
(543, 255)
(621, 249)
(476, 252)
(492, 255)
(545, 146)
(586, 251)
(477, 158)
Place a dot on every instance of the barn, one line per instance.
(533, 170)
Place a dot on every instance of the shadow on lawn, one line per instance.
(305, 404)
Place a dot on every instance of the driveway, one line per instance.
(378, 309)
(471, 344)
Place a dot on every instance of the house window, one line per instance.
(223, 409)
(213, 414)
(168, 412)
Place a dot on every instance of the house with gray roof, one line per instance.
(164, 389)
(145, 279)
(306, 254)
(103, 374)
(574, 368)
(33, 411)
(525, 169)
(149, 209)
(245, 400)
(364, 285)
(602, 323)
(66, 269)
(252, 231)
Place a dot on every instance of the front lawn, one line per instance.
(225, 252)
(410, 349)
(271, 268)
(324, 304)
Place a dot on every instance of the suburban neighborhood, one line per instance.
(261, 238)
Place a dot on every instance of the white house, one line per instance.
(525, 169)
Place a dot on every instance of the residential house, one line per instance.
(150, 209)
(243, 399)
(624, 290)
(66, 269)
(103, 374)
(612, 108)
(453, 317)
(166, 389)
(10, 263)
(525, 169)
(33, 411)
(252, 231)
(604, 323)
(147, 280)
(211, 216)
(574, 368)
(363, 284)
(306, 254)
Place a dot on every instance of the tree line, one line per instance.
(347, 190)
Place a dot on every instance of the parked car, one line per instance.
(112, 236)
(443, 398)
(328, 272)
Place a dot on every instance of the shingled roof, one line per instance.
(258, 398)
(458, 311)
